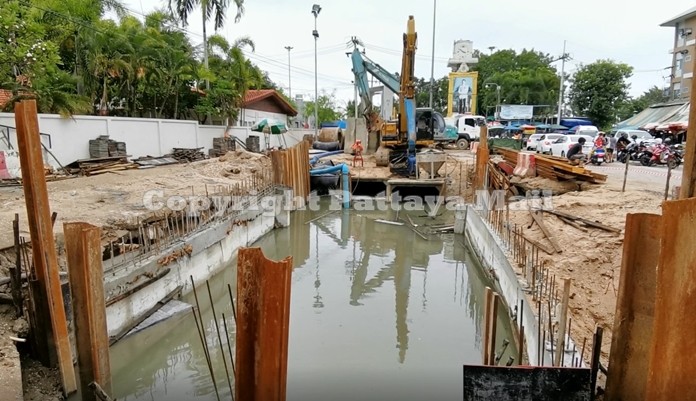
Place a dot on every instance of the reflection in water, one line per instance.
(349, 333)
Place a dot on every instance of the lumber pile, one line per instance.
(498, 179)
(96, 166)
(183, 155)
(554, 168)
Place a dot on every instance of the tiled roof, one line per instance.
(5, 97)
(255, 95)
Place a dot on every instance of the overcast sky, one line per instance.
(621, 30)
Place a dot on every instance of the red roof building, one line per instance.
(264, 103)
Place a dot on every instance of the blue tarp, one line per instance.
(342, 124)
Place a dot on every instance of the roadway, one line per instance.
(639, 177)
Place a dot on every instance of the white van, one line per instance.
(589, 130)
(468, 128)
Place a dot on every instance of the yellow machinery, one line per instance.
(398, 138)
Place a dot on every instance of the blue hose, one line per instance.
(344, 170)
(316, 158)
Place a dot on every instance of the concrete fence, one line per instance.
(68, 138)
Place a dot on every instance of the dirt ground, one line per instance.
(108, 198)
(104, 200)
(591, 259)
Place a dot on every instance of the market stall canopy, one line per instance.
(678, 122)
(654, 114)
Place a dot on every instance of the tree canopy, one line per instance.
(72, 60)
(524, 78)
(328, 108)
(599, 90)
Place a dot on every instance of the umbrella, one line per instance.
(270, 126)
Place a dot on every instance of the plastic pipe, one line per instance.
(316, 158)
(345, 172)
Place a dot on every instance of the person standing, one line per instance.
(610, 148)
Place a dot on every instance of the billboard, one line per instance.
(516, 112)
(463, 88)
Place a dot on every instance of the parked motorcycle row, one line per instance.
(651, 155)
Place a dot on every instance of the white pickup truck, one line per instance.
(468, 128)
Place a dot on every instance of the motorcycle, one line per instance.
(597, 157)
(661, 155)
(631, 152)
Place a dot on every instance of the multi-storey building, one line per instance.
(683, 52)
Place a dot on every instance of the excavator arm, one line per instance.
(407, 95)
(361, 66)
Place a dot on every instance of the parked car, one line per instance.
(643, 136)
(544, 145)
(533, 140)
(562, 144)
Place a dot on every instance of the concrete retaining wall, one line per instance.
(491, 252)
(212, 250)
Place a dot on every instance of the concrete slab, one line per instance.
(168, 310)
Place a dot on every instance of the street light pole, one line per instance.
(288, 48)
(432, 61)
(497, 92)
(560, 89)
(497, 106)
(315, 10)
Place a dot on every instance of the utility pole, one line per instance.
(432, 61)
(560, 89)
(288, 48)
(355, 99)
(315, 10)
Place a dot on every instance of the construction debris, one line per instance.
(183, 155)
(221, 146)
(95, 166)
(554, 168)
(567, 218)
(105, 147)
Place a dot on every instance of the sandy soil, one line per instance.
(591, 259)
(107, 199)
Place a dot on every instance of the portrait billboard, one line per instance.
(463, 89)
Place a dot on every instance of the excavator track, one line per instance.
(382, 156)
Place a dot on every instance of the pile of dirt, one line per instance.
(545, 184)
(592, 258)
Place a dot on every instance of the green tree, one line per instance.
(328, 109)
(599, 90)
(30, 62)
(524, 78)
(215, 9)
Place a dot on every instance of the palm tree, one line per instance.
(209, 8)
(108, 54)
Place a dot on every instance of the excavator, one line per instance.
(413, 128)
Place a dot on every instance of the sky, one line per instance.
(619, 30)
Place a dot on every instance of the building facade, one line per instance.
(265, 103)
(683, 52)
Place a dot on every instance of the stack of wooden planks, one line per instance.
(187, 154)
(554, 168)
(498, 179)
(95, 166)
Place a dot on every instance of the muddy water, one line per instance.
(377, 313)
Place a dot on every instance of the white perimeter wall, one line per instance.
(69, 137)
